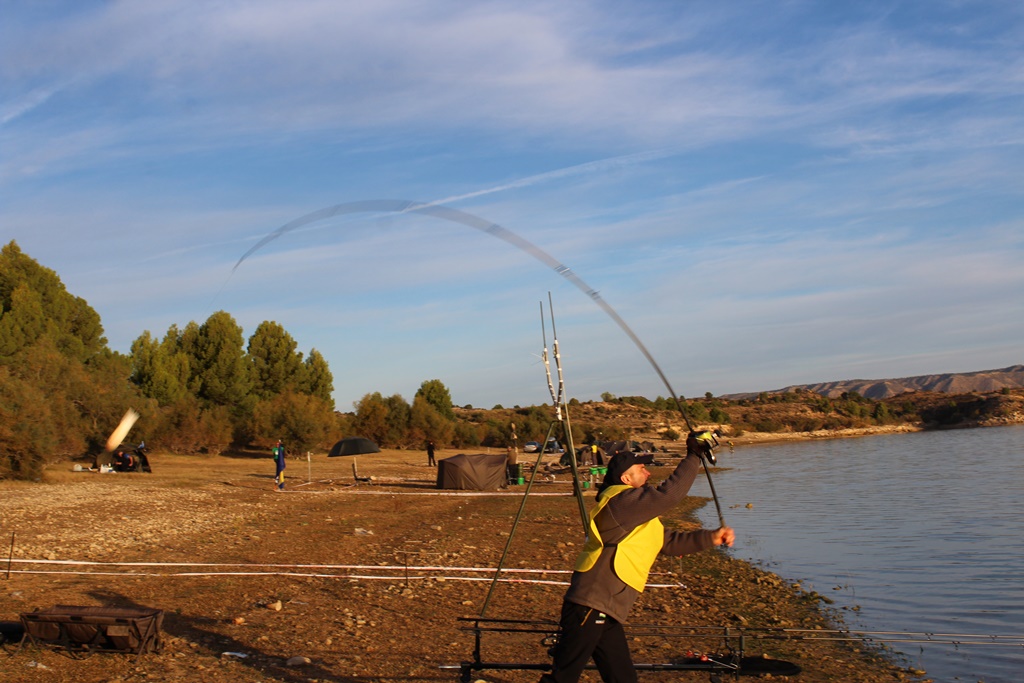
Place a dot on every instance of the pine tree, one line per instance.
(276, 365)
(220, 372)
(317, 378)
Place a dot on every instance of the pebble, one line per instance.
(276, 606)
(298, 661)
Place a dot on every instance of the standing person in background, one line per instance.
(430, 455)
(624, 538)
(279, 462)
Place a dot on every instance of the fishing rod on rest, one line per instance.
(886, 637)
(560, 410)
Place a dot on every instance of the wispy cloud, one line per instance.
(807, 179)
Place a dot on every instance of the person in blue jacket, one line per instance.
(279, 462)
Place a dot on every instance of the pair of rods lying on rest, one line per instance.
(497, 625)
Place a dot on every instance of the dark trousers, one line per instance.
(588, 633)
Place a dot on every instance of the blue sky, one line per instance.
(767, 193)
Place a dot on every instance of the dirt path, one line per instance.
(329, 571)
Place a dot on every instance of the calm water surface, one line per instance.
(920, 532)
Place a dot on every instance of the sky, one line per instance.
(766, 193)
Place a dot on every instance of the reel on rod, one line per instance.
(704, 443)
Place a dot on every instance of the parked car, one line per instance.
(553, 447)
(531, 447)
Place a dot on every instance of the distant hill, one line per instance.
(951, 383)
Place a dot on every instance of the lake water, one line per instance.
(922, 532)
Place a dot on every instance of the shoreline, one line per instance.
(749, 438)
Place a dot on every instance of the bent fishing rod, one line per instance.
(476, 222)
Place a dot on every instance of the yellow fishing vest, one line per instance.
(636, 552)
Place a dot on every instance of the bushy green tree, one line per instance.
(533, 422)
(371, 418)
(436, 394)
(23, 321)
(276, 365)
(27, 433)
(467, 435)
(317, 378)
(63, 390)
(188, 427)
(426, 423)
(72, 325)
(303, 422)
(220, 373)
(159, 369)
(397, 421)
(719, 416)
(697, 411)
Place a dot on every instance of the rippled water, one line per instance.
(921, 532)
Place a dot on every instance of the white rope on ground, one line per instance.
(410, 493)
(357, 489)
(489, 570)
(380, 567)
(459, 494)
(308, 575)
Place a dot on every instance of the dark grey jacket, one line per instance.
(599, 587)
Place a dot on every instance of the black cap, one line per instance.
(621, 462)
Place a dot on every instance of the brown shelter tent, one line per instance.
(479, 472)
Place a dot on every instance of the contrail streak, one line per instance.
(590, 166)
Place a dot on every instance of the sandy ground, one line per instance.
(362, 582)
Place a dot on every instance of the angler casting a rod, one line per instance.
(624, 538)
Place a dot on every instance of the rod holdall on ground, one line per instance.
(96, 629)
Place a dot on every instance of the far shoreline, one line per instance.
(750, 438)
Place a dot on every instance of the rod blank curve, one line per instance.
(470, 220)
